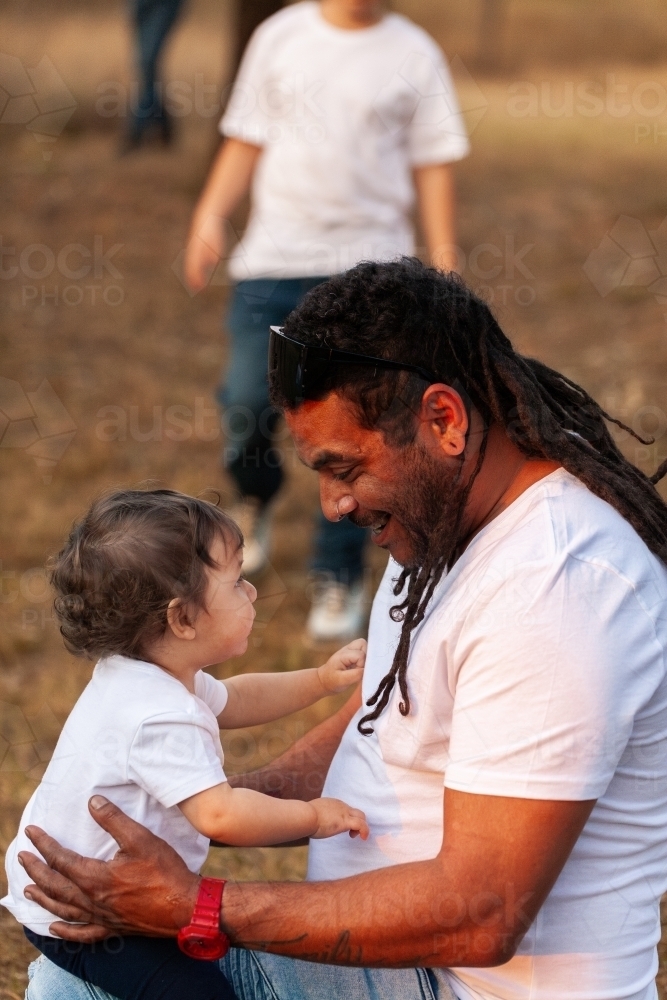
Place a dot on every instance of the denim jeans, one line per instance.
(250, 454)
(257, 976)
(137, 968)
(153, 20)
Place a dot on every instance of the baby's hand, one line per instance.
(334, 816)
(345, 667)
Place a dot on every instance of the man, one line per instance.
(517, 658)
(341, 117)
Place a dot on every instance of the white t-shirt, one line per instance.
(342, 117)
(137, 736)
(539, 672)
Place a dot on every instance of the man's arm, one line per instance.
(469, 906)
(299, 773)
(436, 201)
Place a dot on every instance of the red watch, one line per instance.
(202, 938)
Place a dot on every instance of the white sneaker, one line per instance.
(337, 613)
(255, 523)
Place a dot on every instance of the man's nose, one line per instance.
(335, 499)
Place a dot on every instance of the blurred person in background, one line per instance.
(341, 118)
(152, 21)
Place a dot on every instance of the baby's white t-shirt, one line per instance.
(342, 118)
(137, 736)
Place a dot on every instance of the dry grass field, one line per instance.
(569, 138)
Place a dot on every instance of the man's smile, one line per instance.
(379, 530)
(377, 521)
(376, 528)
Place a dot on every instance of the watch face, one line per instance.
(205, 945)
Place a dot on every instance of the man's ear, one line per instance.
(179, 620)
(444, 420)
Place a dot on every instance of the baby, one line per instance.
(151, 583)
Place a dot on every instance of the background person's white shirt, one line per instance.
(539, 672)
(342, 117)
(137, 736)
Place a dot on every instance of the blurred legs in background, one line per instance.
(153, 20)
(255, 463)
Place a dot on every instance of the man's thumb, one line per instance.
(125, 831)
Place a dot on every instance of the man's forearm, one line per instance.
(402, 916)
(469, 906)
(300, 772)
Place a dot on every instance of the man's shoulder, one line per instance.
(560, 512)
(586, 526)
(559, 530)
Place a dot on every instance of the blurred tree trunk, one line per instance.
(249, 13)
(491, 23)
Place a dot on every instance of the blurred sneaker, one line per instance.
(337, 613)
(147, 133)
(255, 523)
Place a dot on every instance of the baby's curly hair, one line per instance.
(133, 553)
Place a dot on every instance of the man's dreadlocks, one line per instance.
(408, 312)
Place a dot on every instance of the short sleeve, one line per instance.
(173, 756)
(551, 673)
(244, 118)
(437, 131)
(211, 691)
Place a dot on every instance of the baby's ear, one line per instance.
(178, 620)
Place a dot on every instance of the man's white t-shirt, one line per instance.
(342, 117)
(539, 672)
(137, 736)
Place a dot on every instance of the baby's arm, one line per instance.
(259, 698)
(244, 818)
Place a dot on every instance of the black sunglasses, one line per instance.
(301, 369)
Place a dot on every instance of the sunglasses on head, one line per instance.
(301, 369)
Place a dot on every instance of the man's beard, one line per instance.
(428, 504)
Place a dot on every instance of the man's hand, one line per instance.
(145, 889)
(344, 667)
(334, 816)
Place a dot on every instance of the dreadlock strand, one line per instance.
(659, 474)
(420, 591)
(595, 410)
(608, 480)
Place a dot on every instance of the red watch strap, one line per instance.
(209, 903)
(202, 937)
